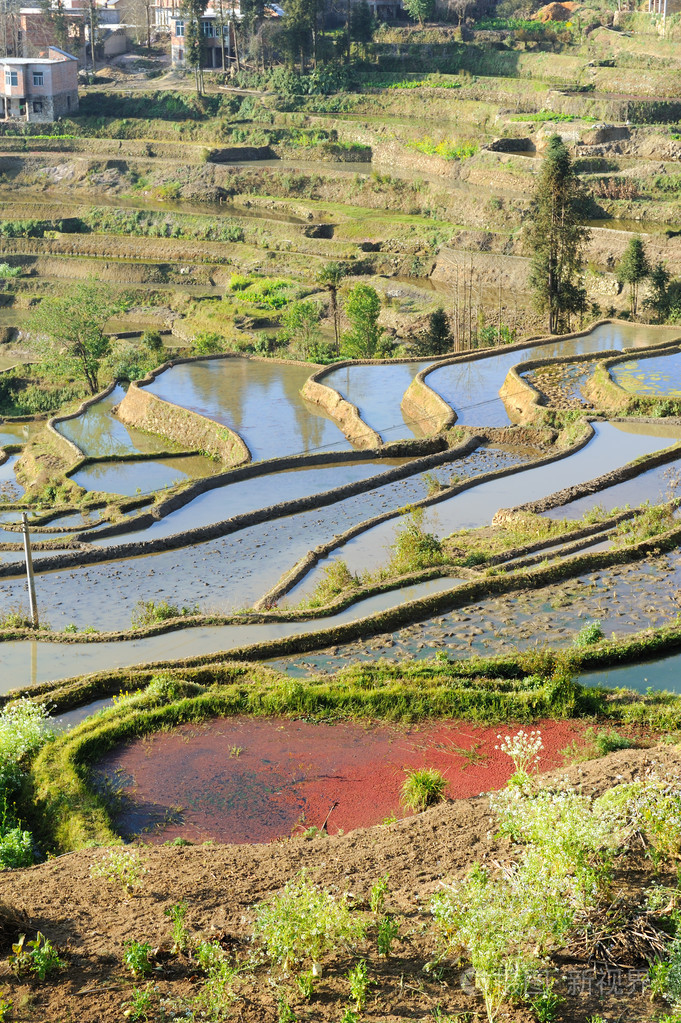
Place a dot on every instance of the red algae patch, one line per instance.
(245, 780)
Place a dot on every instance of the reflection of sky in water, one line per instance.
(659, 375)
(655, 485)
(249, 495)
(377, 392)
(612, 446)
(261, 401)
(472, 388)
(26, 661)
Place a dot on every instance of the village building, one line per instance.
(38, 89)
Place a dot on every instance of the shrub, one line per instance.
(336, 579)
(207, 342)
(303, 923)
(414, 548)
(423, 788)
(16, 848)
(7, 271)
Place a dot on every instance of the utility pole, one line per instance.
(29, 571)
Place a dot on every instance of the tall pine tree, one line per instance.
(557, 238)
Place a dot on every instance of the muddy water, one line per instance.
(472, 388)
(377, 392)
(10, 489)
(659, 376)
(259, 400)
(613, 445)
(99, 433)
(563, 382)
(624, 599)
(24, 662)
(260, 492)
(244, 780)
(222, 574)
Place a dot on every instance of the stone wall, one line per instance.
(422, 404)
(343, 412)
(145, 411)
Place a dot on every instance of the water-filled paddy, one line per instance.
(377, 392)
(144, 477)
(658, 376)
(613, 445)
(221, 574)
(626, 598)
(17, 433)
(97, 432)
(656, 485)
(25, 661)
(10, 488)
(260, 400)
(243, 780)
(472, 388)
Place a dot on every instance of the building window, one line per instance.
(225, 30)
(37, 106)
(208, 29)
(38, 78)
(179, 28)
(11, 78)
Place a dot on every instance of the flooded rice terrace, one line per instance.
(261, 401)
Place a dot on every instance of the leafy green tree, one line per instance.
(330, 277)
(557, 238)
(437, 337)
(70, 330)
(659, 298)
(364, 339)
(193, 11)
(301, 331)
(362, 25)
(420, 10)
(633, 268)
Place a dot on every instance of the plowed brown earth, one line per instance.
(91, 919)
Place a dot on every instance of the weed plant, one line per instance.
(358, 979)
(149, 612)
(422, 788)
(176, 914)
(136, 957)
(386, 933)
(121, 866)
(38, 956)
(303, 923)
(379, 891)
